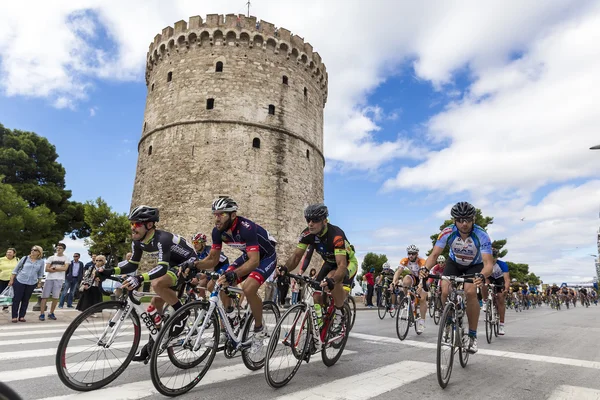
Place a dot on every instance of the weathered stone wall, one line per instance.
(189, 155)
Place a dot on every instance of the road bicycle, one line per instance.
(409, 312)
(492, 318)
(387, 304)
(434, 304)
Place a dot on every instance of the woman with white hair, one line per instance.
(25, 277)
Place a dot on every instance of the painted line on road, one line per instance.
(138, 390)
(574, 392)
(31, 333)
(361, 387)
(52, 352)
(33, 326)
(56, 339)
(495, 353)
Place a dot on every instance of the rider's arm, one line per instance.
(249, 236)
(506, 281)
(133, 263)
(162, 266)
(307, 257)
(250, 265)
(342, 265)
(295, 258)
(488, 264)
(210, 261)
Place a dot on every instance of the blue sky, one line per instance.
(443, 102)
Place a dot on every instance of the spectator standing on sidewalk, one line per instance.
(56, 267)
(378, 288)
(27, 274)
(370, 285)
(283, 286)
(295, 291)
(7, 266)
(72, 281)
(90, 264)
(91, 294)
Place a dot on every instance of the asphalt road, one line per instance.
(545, 354)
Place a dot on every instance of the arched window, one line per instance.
(256, 143)
(307, 154)
(285, 80)
(271, 109)
(305, 92)
(170, 76)
(210, 104)
(219, 67)
(145, 126)
(150, 150)
(152, 88)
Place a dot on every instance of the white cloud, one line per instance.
(93, 111)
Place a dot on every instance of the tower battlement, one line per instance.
(236, 30)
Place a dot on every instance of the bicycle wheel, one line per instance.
(446, 345)
(496, 320)
(335, 340)
(463, 354)
(403, 318)
(431, 305)
(255, 361)
(7, 393)
(83, 360)
(438, 310)
(176, 366)
(394, 308)
(352, 305)
(489, 322)
(382, 308)
(288, 345)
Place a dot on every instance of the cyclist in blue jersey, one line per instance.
(470, 253)
(257, 262)
(202, 250)
(499, 276)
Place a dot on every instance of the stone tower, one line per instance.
(234, 108)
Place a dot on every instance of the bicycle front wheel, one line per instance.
(84, 358)
(438, 310)
(336, 338)
(446, 345)
(489, 322)
(270, 316)
(382, 308)
(403, 318)
(352, 305)
(288, 346)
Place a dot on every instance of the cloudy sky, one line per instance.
(429, 103)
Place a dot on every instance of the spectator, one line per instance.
(91, 294)
(283, 286)
(56, 266)
(72, 281)
(370, 284)
(117, 286)
(378, 288)
(312, 273)
(7, 266)
(91, 264)
(364, 290)
(295, 291)
(27, 274)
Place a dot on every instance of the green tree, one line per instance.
(372, 260)
(110, 230)
(521, 273)
(29, 164)
(21, 226)
(479, 220)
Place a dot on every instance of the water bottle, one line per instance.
(319, 313)
(153, 313)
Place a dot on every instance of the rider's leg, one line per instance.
(473, 308)
(407, 282)
(250, 288)
(163, 288)
(423, 304)
(501, 306)
(445, 291)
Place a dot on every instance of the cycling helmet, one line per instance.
(441, 259)
(224, 204)
(495, 253)
(199, 237)
(412, 249)
(514, 280)
(462, 209)
(386, 265)
(144, 214)
(316, 212)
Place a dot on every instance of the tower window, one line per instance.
(170, 76)
(210, 104)
(285, 80)
(307, 154)
(305, 92)
(150, 150)
(145, 126)
(256, 143)
(219, 67)
(152, 88)
(271, 109)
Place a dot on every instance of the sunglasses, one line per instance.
(219, 214)
(463, 220)
(316, 220)
(35, 250)
(412, 254)
(136, 224)
(197, 241)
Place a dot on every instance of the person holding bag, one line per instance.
(7, 265)
(25, 277)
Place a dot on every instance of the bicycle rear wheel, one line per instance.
(83, 362)
(431, 305)
(382, 308)
(256, 361)
(445, 345)
(463, 354)
(403, 318)
(352, 305)
(394, 308)
(489, 323)
(288, 345)
(335, 339)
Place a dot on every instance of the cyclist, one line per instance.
(387, 276)
(202, 250)
(470, 253)
(258, 259)
(413, 263)
(564, 293)
(330, 242)
(499, 276)
(583, 295)
(438, 269)
(171, 251)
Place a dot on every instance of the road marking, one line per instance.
(56, 339)
(33, 326)
(137, 390)
(30, 333)
(495, 353)
(52, 352)
(574, 392)
(361, 386)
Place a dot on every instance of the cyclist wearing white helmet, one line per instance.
(202, 250)
(438, 269)
(413, 263)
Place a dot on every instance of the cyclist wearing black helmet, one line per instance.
(330, 242)
(470, 253)
(171, 252)
(258, 259)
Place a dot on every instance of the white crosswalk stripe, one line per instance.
(20, 354)
(33, 327)
(574, 392)
(54, 339)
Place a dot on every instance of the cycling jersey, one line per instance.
(388, 276)
(554, 289)
(332, 242)
(413, 266)
(500, 268)
(223, 260)
(170, 251)
(465, 252)
(438, 269)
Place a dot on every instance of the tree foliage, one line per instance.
(21, 226)
(110, 230)
(28, 163)
(521, 273)
(372, 260)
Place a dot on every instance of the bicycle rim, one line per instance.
(270, 316)
(84, 365)
(382, 309)
(169, 379)
(403, 319)
(446, 345)
(489, 328)
(463, 354)
(288, 346)
(336, 342)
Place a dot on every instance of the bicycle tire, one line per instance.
(403, 317)
(300, 315)
(61, 351)
(340, 344)
(496, 321)
(439, 309)
(394, 309)
(251, 364)
(7, 393)
(463, 354)
(382, 308)
(352, 305)
(208, 355)
(489, 329)
(431, 306)
(448, 320)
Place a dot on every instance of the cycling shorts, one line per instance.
(266, 267)
(455, 269)
(497, 281)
